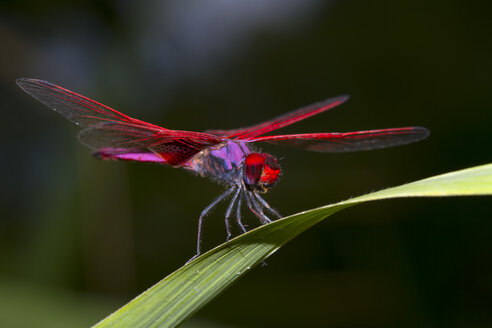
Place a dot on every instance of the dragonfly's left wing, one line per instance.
(74, 107)
(114, 135)
(133, 142)
(349, 141)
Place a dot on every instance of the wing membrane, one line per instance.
(127, 141)
(76, 108)
(281, 121)
(349, 141)
(114, 135)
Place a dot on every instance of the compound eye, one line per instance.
(270, 174)
(253, 168)
(261, 171)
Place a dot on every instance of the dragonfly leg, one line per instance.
(255, 208)
(202, 216)
(267, 206)
(238, 214)
(228, 213)
(263, 218)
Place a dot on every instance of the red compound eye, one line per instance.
(261, 171)
(271, 171)
(253, 168)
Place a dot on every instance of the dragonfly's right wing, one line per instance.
(280, 121)
(348, 141)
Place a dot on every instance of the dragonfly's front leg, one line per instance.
(228, 213)
(238, 214)
(255, 208)
(267, 206)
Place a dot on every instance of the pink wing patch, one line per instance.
(111, 154)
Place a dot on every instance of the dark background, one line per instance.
(81, 237)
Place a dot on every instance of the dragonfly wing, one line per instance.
(77, 108)
(281, 121)
(349, 141)
(127, 141)
(114, 135)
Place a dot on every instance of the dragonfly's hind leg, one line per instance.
(202, 216)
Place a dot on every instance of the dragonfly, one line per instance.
(229, 157)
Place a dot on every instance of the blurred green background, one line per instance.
(81, 237)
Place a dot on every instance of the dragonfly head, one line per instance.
(261, 171)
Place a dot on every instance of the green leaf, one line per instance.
(178, 296)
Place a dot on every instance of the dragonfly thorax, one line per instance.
(222, 162)
(261, 171)
(232, 162)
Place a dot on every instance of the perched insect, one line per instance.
(226, 156)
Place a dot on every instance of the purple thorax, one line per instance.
(221, 162)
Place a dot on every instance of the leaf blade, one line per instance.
(178, 296)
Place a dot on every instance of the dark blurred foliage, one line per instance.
(80, 237)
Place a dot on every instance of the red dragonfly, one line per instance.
(226, 156)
